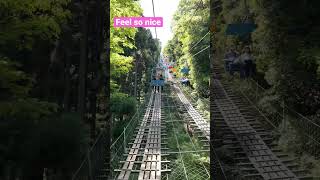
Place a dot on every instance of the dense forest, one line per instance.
(39, 55)
(133, 54)
(189, 45)
(285, 46)
(189, 49)
(54, 80)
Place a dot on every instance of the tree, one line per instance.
(191, 22)
(285, 46)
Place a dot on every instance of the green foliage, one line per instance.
(33, 133)
(13, 83)
(19, 119)
(122, 107)
(122, 104)
(285, 46)
(190, 24)
(23, 21)
(29, 109)
(197, 164)
(133, 55)
(120, 64)
(59, 142)
(41, 137)
(121, 38)
(147, 53)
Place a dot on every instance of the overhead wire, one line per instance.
(154, 15)
(199, 41)
(201, 51)
(190, 20)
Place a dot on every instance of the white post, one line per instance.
(44, 175)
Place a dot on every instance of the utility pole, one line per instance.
(154, 15)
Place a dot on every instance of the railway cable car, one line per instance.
(158, 79)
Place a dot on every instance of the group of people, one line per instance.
(244, 63)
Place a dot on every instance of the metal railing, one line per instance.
(120, 145)
(194, 98)
(93, 166)
(216, 169)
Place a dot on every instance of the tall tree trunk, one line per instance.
(83, 62)
(67, 86)
(107, 81)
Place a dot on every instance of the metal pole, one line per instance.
(135, 77)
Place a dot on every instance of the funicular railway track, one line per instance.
(252, 148)
(179, 116)
(144, 159)
(197, 120)
(148, 156)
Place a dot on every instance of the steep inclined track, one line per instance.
(263, 160)
(197, 118)
(151, 162)
(147, 144)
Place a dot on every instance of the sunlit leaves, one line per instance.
(120, 64)
(121, 38)
(191, 22)
(122, 104)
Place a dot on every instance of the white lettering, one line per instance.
(117, 21)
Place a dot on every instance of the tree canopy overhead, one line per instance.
(285, 46)
(189, 45)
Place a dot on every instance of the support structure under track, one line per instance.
(264, 161)
(199, 121)
(144, 156)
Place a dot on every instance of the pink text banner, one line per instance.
(138, 22)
